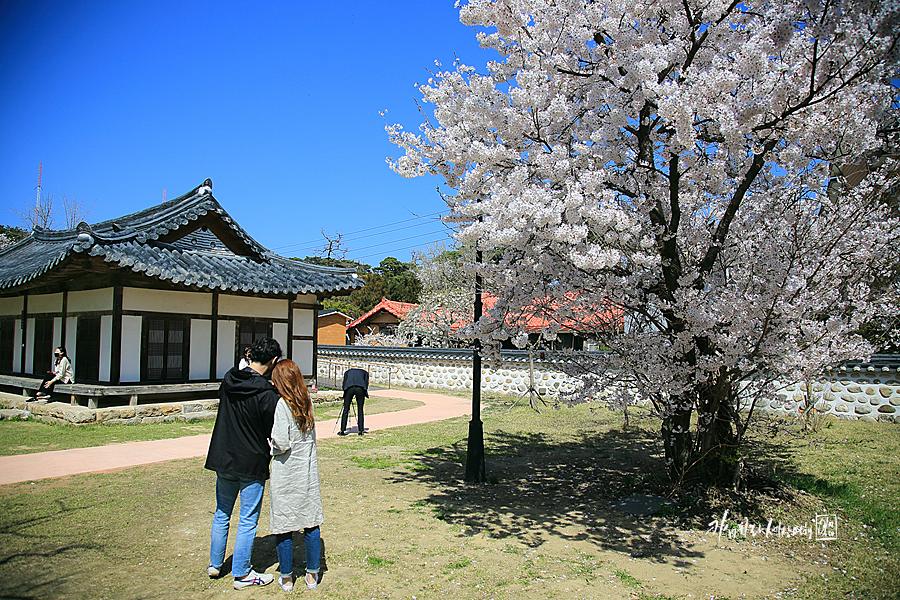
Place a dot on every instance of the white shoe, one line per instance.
(212, 571)
(253, 578)
(315, 580)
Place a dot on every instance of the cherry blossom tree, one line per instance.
(676, 157)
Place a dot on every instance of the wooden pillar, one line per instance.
(24, 332)
(115, 351)
(315, 363)
(214, 336)
(65, 312)
(290, 336)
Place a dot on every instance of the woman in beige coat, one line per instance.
(295, 499)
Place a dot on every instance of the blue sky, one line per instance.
(278, 103)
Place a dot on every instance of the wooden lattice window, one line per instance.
(250, 330)
(7, 344)
(42, 355)
(166, 355)
(87, 350)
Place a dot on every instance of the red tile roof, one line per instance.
(398, 309)
(541, 314)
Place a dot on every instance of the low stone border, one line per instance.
(12, 406)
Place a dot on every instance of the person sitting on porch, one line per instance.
(62, 371)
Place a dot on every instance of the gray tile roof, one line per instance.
(198, 258)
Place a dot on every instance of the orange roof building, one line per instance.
(383, 318)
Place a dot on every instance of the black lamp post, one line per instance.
(475, 449)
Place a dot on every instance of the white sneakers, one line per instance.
(253, 578)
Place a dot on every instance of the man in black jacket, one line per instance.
(239, 454)
(356, 383)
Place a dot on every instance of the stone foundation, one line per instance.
(13, 406)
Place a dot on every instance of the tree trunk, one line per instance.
(678, 442)
(712, 457)
(716, 450)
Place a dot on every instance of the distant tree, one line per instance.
(371, 294)
(39, 214)
(75, 211)
(333, 248)
(391, 279)
(42, 213)
(382, 339)
(400, 281)
(446, 299)
(343, 304)
(361, 268)
(10, 235)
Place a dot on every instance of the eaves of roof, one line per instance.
(132, 242)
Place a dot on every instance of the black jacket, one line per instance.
(356, 378)
(239, 446)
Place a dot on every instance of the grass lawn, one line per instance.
(25, 437)
(401, 523)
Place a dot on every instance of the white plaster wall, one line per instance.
(225, 347)
(17, 346)
(241, 306)
(201, 331)
(45, 303)
(310, 299)
(71, 336)
(57, 333)
(11, 306)
(164, 301)
(105, 346)
(90, 300)
(303, 321)
(280, 333)
(29, 346)
(130, 369)
(303, 356)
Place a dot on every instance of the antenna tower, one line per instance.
(37, 204)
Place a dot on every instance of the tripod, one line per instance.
(355, 416)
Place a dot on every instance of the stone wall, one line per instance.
(866, 391)
(440, 368)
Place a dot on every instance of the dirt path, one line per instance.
(59, 463)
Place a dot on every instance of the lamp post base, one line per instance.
(475, 453)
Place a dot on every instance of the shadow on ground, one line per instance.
(538, 488)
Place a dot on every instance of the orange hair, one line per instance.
(290, 384)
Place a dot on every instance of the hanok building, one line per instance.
(167, 295)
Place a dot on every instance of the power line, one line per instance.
(412, 237)
(309, 244)
(359, 258)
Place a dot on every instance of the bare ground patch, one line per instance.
(400, 523)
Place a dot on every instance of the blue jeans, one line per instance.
(285, 549)
(227, 490)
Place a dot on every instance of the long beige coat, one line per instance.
(295, 499)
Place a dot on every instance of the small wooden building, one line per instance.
(332, 327)
(170, 294)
